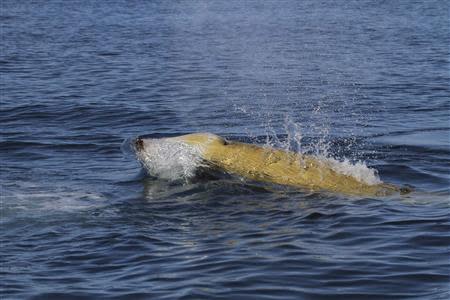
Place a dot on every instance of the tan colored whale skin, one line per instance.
(278, 166)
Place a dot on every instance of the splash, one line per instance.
(322, 150)
(171, 160)
(358, 170)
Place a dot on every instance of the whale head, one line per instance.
(175, 158)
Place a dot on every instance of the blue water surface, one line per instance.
(360, 80)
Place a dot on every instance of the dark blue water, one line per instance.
(362, 80)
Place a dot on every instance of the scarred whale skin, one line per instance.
(274, 165)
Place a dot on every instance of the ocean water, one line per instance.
(366, 82)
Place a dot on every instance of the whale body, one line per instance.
(184, 154)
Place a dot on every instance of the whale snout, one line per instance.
(139, 144)
(168, 158)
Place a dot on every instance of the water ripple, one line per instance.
(355, 80)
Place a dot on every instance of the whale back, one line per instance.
(279, 166)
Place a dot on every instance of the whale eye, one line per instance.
(221, 140)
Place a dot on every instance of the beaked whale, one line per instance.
(182, 155)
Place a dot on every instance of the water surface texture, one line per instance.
(364, 81)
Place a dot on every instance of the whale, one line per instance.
(183, 155)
